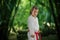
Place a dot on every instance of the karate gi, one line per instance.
(33, 27)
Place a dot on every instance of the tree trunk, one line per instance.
(56, 19)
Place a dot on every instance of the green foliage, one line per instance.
(14, 15)
(20, 10)
(23, 12)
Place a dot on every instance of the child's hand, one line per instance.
(32, 36)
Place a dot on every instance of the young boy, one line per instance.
(33, 25)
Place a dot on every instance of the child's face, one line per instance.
(35, 12)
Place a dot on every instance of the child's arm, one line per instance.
(31, 27)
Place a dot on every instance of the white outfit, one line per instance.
(33, 27)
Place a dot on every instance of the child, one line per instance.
(33, 25)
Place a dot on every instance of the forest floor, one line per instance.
(13, 36)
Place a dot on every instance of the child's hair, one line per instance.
(34, 7)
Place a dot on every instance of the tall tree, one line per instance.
(6, 7)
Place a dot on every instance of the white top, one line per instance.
(33, 25)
